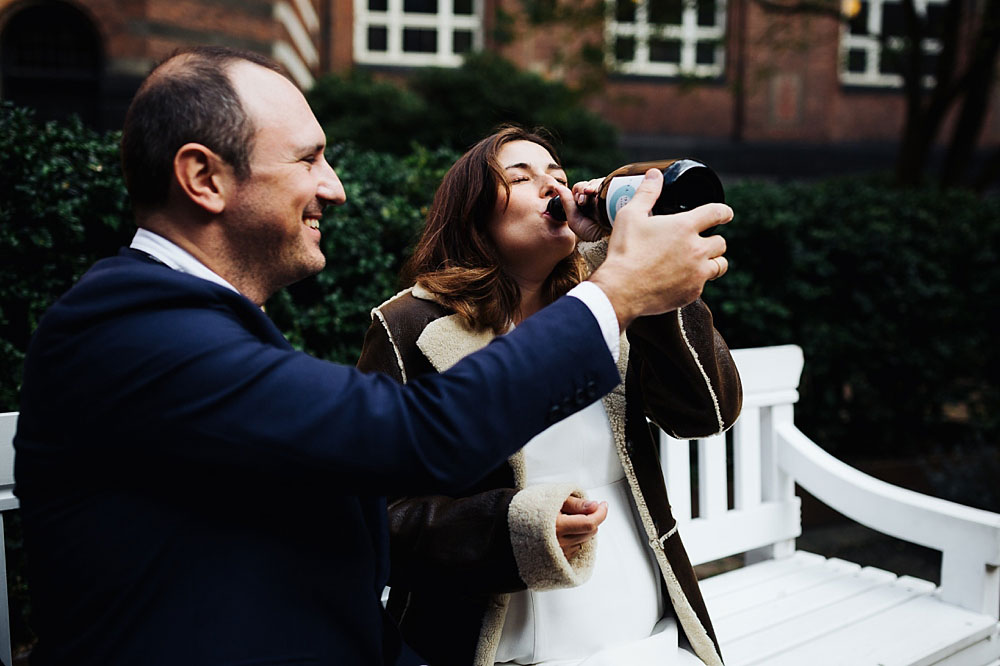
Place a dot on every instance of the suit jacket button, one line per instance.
(554, 413)
(581, 397)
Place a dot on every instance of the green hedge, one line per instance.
(893, 295)
(365, 242)
(455, 107)
(62, 205)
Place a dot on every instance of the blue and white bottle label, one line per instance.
(620, 192)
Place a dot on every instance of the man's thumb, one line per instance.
(648, 191)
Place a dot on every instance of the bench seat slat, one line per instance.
(733, 581)
(763, 647)
(800, 584)
(920, 632)
(799, 602)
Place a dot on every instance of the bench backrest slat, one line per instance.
(732, 507)
(8, 424)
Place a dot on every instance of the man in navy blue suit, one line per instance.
(195, 491)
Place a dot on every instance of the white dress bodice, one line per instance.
(620, 607)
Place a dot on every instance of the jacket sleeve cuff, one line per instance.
(532, 521)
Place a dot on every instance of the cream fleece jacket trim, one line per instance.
(448, 340)
(532, 522)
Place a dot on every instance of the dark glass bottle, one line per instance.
(687, 184)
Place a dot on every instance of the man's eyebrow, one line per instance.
(312, 150)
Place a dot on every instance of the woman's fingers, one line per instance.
(577, 528)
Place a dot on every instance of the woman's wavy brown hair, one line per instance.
(456, 258)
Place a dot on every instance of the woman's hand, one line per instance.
(583, 226)
(577, 523)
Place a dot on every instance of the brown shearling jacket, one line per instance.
(454, 560)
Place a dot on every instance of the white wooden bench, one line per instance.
(785, 607)
(791, 608)
(8, 424)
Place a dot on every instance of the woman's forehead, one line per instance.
(523, 153)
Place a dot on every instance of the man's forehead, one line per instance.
(261, 87)
(274, 102)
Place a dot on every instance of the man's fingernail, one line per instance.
(649, 174)
(589, 504)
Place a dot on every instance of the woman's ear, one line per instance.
(203, 176)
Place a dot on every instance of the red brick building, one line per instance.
(701, 73)
(90, 55)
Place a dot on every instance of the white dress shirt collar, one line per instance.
(175, 257)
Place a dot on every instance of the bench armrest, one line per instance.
(969, 539)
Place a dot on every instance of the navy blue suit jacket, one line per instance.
(195, 491)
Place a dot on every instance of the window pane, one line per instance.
(706, 12)
(625, 11)
(665, 11)
(705, 53)
(892, 20)
(665, 50)
(930, 63)
(378, 38)
(935, 19)
(419, 40)
(625, 49)
(859, 24)
(378, 5)
(420, 6)
(889, 61)
(463, 7)
(856, 60)
(461, 41)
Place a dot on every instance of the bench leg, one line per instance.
(4, 608)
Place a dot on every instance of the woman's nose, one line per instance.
(548, 189)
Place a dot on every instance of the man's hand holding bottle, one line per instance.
(658, 263)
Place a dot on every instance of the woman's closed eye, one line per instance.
(524, 179)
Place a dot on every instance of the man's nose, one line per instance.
(330, 190)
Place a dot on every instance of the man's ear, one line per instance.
(203, 176)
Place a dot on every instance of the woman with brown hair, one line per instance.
(510, 571)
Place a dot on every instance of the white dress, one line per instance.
(614, 619)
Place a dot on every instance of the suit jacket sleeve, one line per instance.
(493, 538)
(176, 370)
(437, 540)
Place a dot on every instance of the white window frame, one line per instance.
(869, 43)
(688, 32)
(394, 19)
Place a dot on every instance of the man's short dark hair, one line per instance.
(178, 104)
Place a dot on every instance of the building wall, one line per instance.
(781, 80)
(781, 84)
(136, 34)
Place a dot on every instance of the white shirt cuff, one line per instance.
(597, 301)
